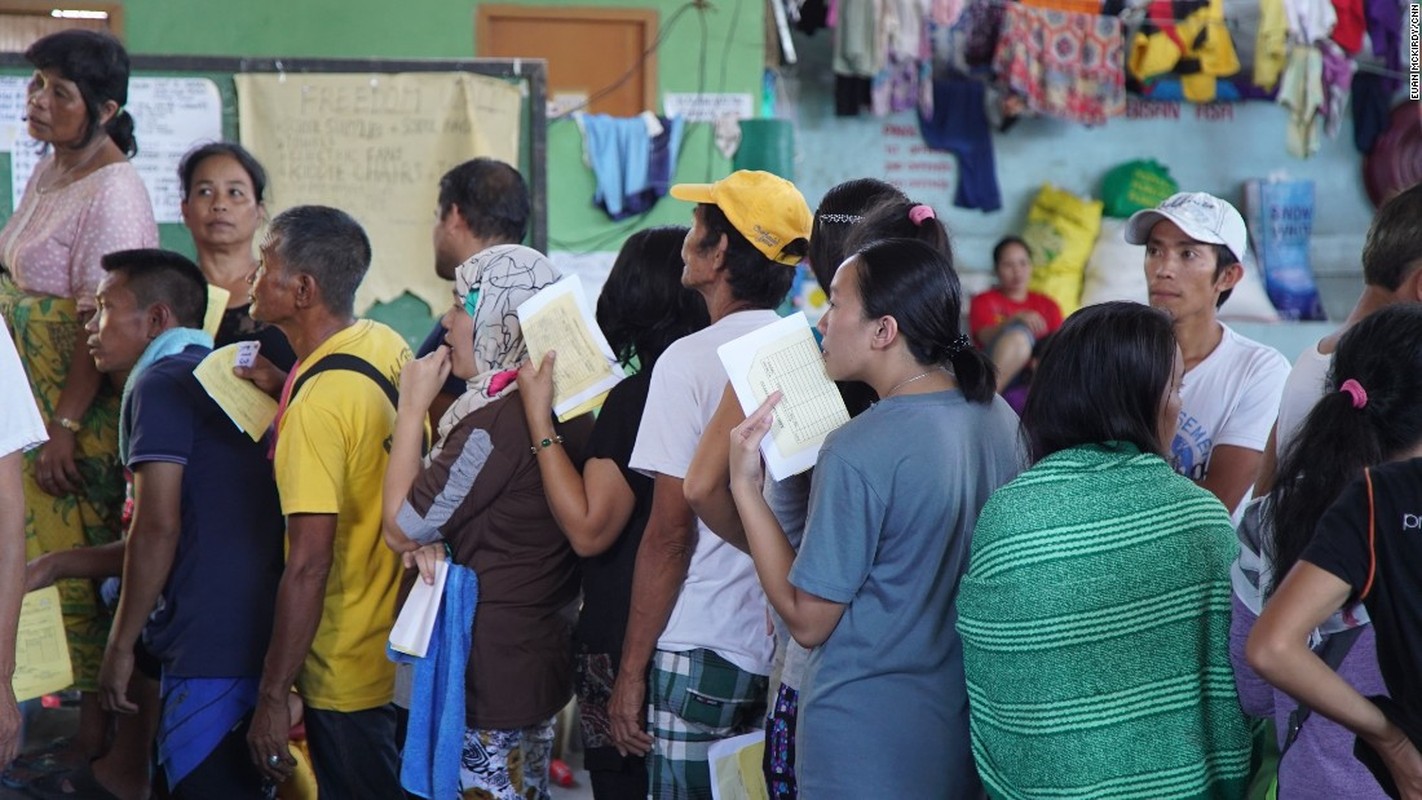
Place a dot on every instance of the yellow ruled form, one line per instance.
(217, 300)
(41, 654)
(250, 408)
(558, 319)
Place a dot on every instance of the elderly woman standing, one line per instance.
(83, 201)
(480, 495)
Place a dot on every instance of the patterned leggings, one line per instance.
(506, 764)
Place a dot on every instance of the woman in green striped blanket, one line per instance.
(1095, 612)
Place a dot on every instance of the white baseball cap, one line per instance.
(1203, 217)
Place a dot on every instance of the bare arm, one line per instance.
(591, 508)
(663, 560)
(152, 543)
(708, 480)
(311, 542)
(1278, 650)
(419, 383)
(55, 471)
(810, 618)
(100, 561)
(12, 572)
(1268, 463)
(1232, 471)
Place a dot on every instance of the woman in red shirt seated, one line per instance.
(1007, 320)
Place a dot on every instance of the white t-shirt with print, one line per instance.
(20, 425)
(1229, 398)
(721, 606)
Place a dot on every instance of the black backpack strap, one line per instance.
(1333, 650)
(352, 363)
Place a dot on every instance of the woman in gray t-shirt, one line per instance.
(895, 494)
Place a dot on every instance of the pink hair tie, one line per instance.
(919, 213)
(1355, 390)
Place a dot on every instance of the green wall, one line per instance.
(734, 38)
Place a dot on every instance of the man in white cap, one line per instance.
(1194, 246)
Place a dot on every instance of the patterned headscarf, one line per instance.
(492, 285)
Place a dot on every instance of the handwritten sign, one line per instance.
(170, 117)
(707, 107)
(911, 165)
(375, 146)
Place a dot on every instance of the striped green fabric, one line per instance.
(1095, 626)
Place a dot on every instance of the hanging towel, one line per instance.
(959, 124)
(168, 343)
(632, 159)
(1301, 92)
(1065, 64)
(434, 738)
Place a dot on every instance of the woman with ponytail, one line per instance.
(83, 201)
(1095, 613)
(1346, 535)
(895, 494)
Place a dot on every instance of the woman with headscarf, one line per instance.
(479, 496)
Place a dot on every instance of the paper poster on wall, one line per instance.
(707, 107)
(375, 146)
(170, 117)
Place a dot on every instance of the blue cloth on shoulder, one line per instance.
(632, 168)
(434, 739)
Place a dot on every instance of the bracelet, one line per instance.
(67, 424)
(545, 444)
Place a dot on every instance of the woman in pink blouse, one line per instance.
(84, 200)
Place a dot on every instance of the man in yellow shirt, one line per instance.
(335, 605)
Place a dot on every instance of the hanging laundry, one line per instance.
(1372, 101)
(1301, 92)
(1337, 82)
(945, 12)
(959, 125)
(632, 159)
(1348, 30)
(1385, 32)
(1064, 64)
(1310, 20)
(895, 88)
(856, 39)
(1271, 46)
(1197, 48)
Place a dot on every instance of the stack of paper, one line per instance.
(41, 652)
(250, 408)
(411, 634)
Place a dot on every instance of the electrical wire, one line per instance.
(666, 28)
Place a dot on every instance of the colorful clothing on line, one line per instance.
(45, 329)
(506, 764)
(695, 698)
(1066, 65)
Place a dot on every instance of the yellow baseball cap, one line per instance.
(765, 208)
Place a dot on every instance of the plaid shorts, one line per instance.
(696, 698)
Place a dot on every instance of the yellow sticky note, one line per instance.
(41, 653)
(217, 299)
(250, 408)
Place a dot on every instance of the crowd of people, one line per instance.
(1089, 601)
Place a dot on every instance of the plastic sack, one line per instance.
(1061, 230)
(1116, 269)
(1135, 185)
(1280, 218)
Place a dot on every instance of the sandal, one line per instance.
(77, 783)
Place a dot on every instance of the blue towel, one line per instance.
(632, 169)
(168, 343)
(434, 740)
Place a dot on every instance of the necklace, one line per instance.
(907, 381)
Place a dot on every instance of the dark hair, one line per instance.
(1383, 353)
(491, 197)
(98, 65)
(327, 244)
(194, 158)
(1394, 246)
(162, 276)
(914, 283)
(1101, 379)
(890, 220)
(841, 212)
(1224, 257)
(753, 277)
(643, 306)
(1006, 242)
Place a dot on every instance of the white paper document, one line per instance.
(784, 357)
(559, 318)
(411, 634)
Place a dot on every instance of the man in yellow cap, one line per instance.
(698, 613)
